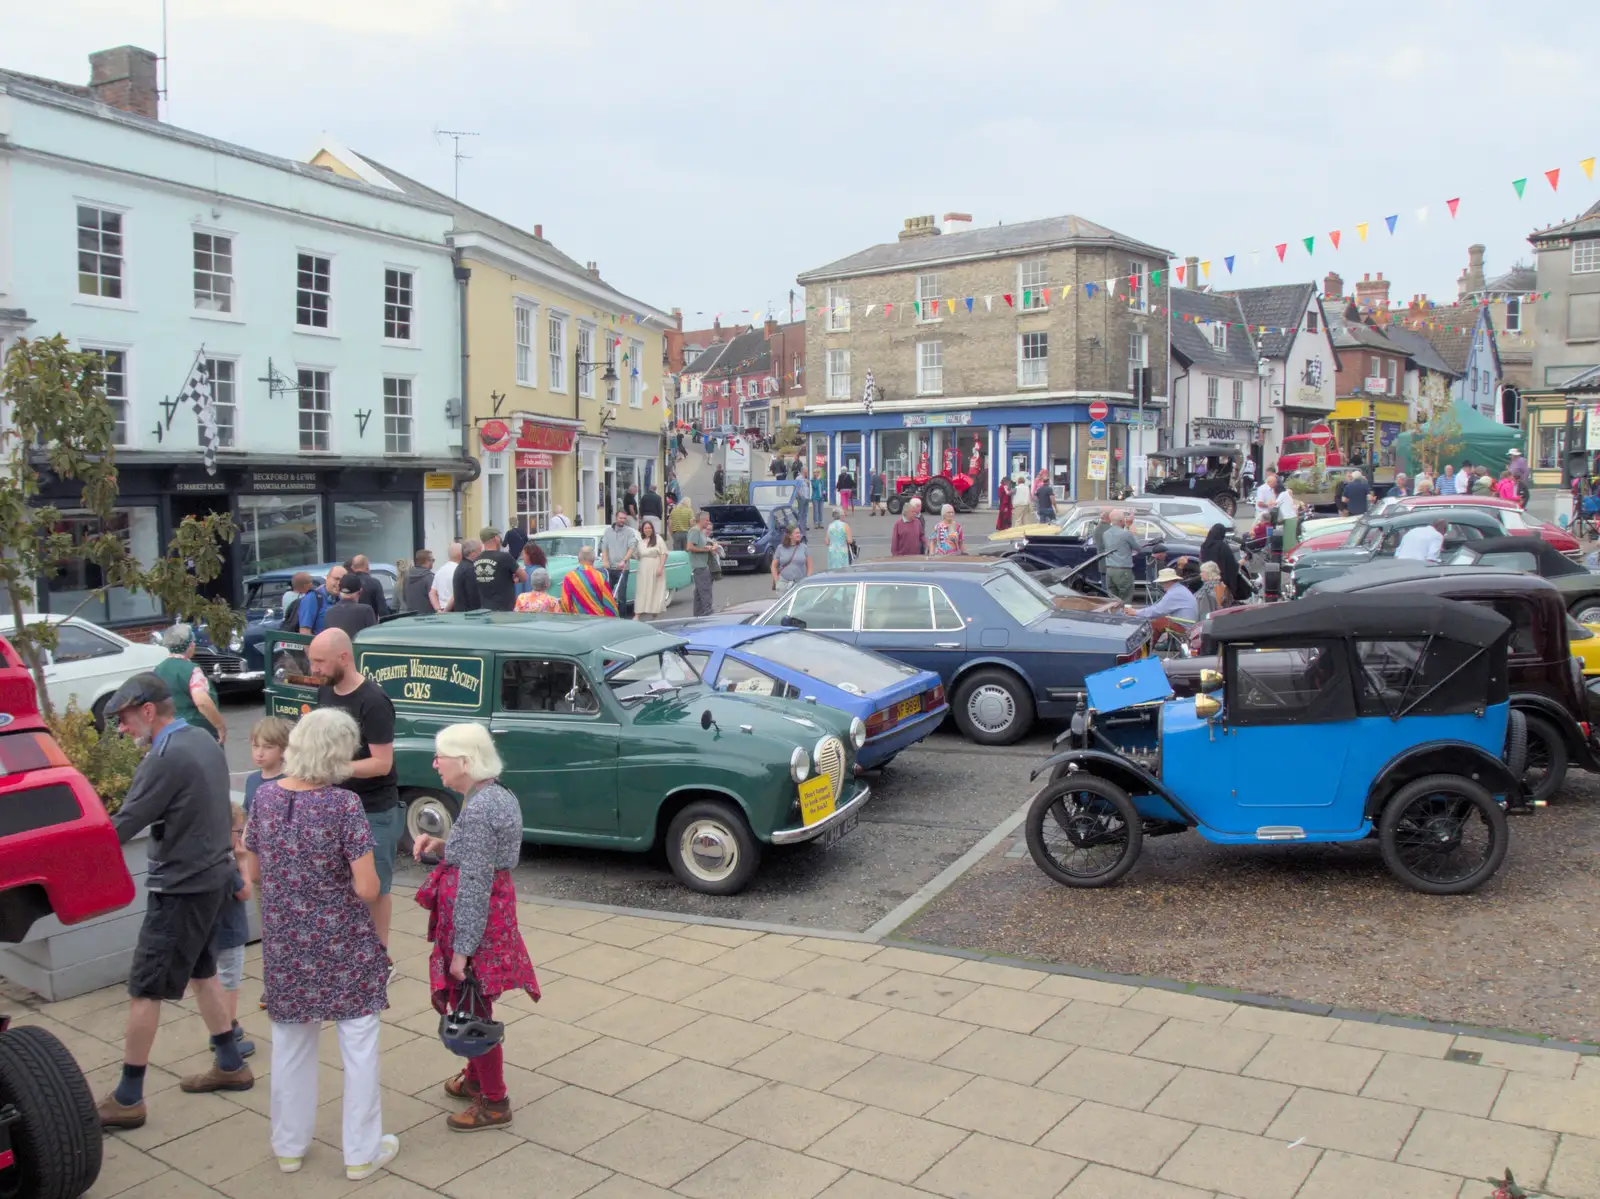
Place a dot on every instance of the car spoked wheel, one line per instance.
(1227, 503)
(1443, 835)
(1546, 766)
(434, 803)
(993, 707)
(1084, 831)
(711, 848)
(1588, 613)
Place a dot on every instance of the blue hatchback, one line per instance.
(1340, 718)
(899, 704)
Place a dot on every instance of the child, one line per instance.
(233, 930)
(268, 739)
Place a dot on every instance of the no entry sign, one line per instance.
(1321, 435)
(1098, 410)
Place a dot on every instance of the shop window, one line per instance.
(894, 451)
(277, 532)
(383, 530)
(1552, 444)
(73, 585)
(533, 497)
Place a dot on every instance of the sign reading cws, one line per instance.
(442, 682)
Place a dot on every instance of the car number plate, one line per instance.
(909, 707)
(837, 832)
(816, 799)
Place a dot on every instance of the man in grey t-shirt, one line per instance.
(1120, 546)
(618, 546)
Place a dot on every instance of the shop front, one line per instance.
(1366, 430)
(631, 458)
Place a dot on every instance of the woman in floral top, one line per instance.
(538, 598)
(474, 906)
(947, 535)
(310, 849)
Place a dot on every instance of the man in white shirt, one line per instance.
(558, 519)
(443, 590)
(1267, 496)
(1288, 506)
(1425, 543)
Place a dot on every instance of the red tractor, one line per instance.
(962, 489)
(59, 856)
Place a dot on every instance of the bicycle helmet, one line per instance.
(464, 1031)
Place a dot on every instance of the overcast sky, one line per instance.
(704, 153)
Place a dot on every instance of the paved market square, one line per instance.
(700, 1059)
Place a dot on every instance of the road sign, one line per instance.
(1097, 430)
(1097, 465)
(1321, 435)
(1118, 453)
(1098, 410)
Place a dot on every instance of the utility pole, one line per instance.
(456, 135)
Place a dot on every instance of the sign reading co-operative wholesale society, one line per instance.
(435, 680)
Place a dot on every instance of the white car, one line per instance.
(1184, 510)
(89, 663)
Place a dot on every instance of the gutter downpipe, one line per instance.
(474, 467)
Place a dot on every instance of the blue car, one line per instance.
(1005, 653)
(242, 666)
(899, 705)
(1391, 710)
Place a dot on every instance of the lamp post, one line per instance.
(610, 376)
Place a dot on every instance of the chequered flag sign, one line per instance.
(197, 391)
(870, 394)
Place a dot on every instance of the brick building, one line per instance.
(990, 342)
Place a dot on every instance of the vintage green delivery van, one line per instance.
(609, 737)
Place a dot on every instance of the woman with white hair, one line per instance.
(538, 598)
(947, 535)
(193, 696)
(474, 910)
(1212, 594)
(310, 852)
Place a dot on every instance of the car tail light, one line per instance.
(1142, 652)
(18, 697)
(879, 721)
(30, 751)
(934, 698)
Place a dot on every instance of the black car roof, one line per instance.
(1552, 562)
(1417, 577)
(1364, 615)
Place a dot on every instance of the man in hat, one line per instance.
(1518, 466)
(1175, 611)
(180, 792)
(350, 613)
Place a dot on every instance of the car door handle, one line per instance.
(947, 645)
(498, 732)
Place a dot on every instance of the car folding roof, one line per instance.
(1366, 616)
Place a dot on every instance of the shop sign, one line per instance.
(553, 439)
(1130, 416)
(441, 480)
(283, 480)
(199, 485)
(436, 680)
(1097, 465)
(935, 420)
(534, 460)
(1205, 432)
(1591, 433)
(495, 435)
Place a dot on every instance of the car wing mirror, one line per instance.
(792, 622)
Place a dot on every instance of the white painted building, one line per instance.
(1291, 333)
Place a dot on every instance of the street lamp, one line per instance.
(577, 380)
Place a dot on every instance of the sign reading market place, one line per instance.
(439, 681)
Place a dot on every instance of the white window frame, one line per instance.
(525, 340)
(537, 512)
(1138, 353)
(302, 369)
(400, 426)
(232, 288)
(1513, 320)
(1238, 399)
(838, 368)
(635, 374)
(556, 348)
(1033, 289)
(228, 440)
(1034, 370)
(930, 368)
(410, 273)
(928, 281)
(129, 440)
(1585, 257)
(96, 298)
(330, 329)
(586, 333)
(1219, 336)
(1139, 292)
(838, 310)
(1213, 393)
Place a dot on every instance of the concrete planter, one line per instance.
(58, 961)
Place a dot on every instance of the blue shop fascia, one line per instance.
(1012, 438)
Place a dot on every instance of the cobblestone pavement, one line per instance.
(674, 1058)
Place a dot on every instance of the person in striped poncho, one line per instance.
(585, 592)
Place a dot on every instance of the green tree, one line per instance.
(59, 425)
(1436, 436)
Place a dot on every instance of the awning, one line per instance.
(1386, 410)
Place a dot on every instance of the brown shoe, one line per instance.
(114, 1115)
(484, 1113)
(462, 1087)
(218, 1079)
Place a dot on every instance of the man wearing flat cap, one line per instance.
(180, 792)
(351, 613)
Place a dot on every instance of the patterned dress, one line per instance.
(838, 546)
(537, 601)
(320, 954)
(948, 539)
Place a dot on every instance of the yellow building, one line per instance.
(565, 376)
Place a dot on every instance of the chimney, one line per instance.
(592, 270)
(769, 328)
(538, 231)
(919, 226)
(957, 222)
(1472, 278)
(1373, 294)
(677, 319)
(716, 329)
(125, 78)
(1191, 271)
(1333, 287)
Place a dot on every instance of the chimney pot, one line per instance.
(1366, 278)
(538, 231)
(919, 226)
(125, 78)
(1192, 269)
(957, 222)
(1333, 286)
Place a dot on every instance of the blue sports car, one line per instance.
(899, 704)
(1004, 651)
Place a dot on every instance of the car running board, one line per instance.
(1280, 832)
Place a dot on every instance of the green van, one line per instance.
(608, 736)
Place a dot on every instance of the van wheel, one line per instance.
(1443, 835)
(1546, 766)
(711, 848)
(993, 707)
(445, 806)
(57, 1140)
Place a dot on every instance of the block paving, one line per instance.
(698, 1060)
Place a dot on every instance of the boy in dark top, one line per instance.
(350, 614)
(373, 777)
(497, 574)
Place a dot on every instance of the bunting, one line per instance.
(1281, 247)
(1205, 269)
(1588, 167)
(1229, 261)
(1453, 205)
(1390, 221)
(1520, 185)
(1554, 177)
(1361, 231)
(1334, 238)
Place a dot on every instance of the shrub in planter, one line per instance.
(107, 759)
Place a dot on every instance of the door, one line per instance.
(913, 623)
(438, 521)
(83, 662)
(826, 608)
(558, 745)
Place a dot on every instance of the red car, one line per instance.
(1517, 523)
(59, 856)
(1299, 450)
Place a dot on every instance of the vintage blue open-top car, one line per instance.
(1393, 709)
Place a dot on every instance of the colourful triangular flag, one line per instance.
(1453, 205)
(1588, 167)
(1088, 289)
(1390, 221)
(870, 308)
(969, 303)
(1422, 215)
(1205, 269)
(1520, 184)
(1155, 278)
(1361, 230)
(1229, 261)
(1007, 298)
(916, 306)
(1111, 287)
(887, 308)
(988, 303)
(1180, 270)
(1554, 177)
(1334, 237)
(1310, 242)
(1027, 297)
(1281, 247)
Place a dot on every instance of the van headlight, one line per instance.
(858, 732)
(799, 765)
(236, 642)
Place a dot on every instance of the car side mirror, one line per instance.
(1207, 706)
(792, 622)
(705, 719)
(1210, 680)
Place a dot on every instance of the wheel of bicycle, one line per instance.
(1084, 831)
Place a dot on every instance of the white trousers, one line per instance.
(294, 1089)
